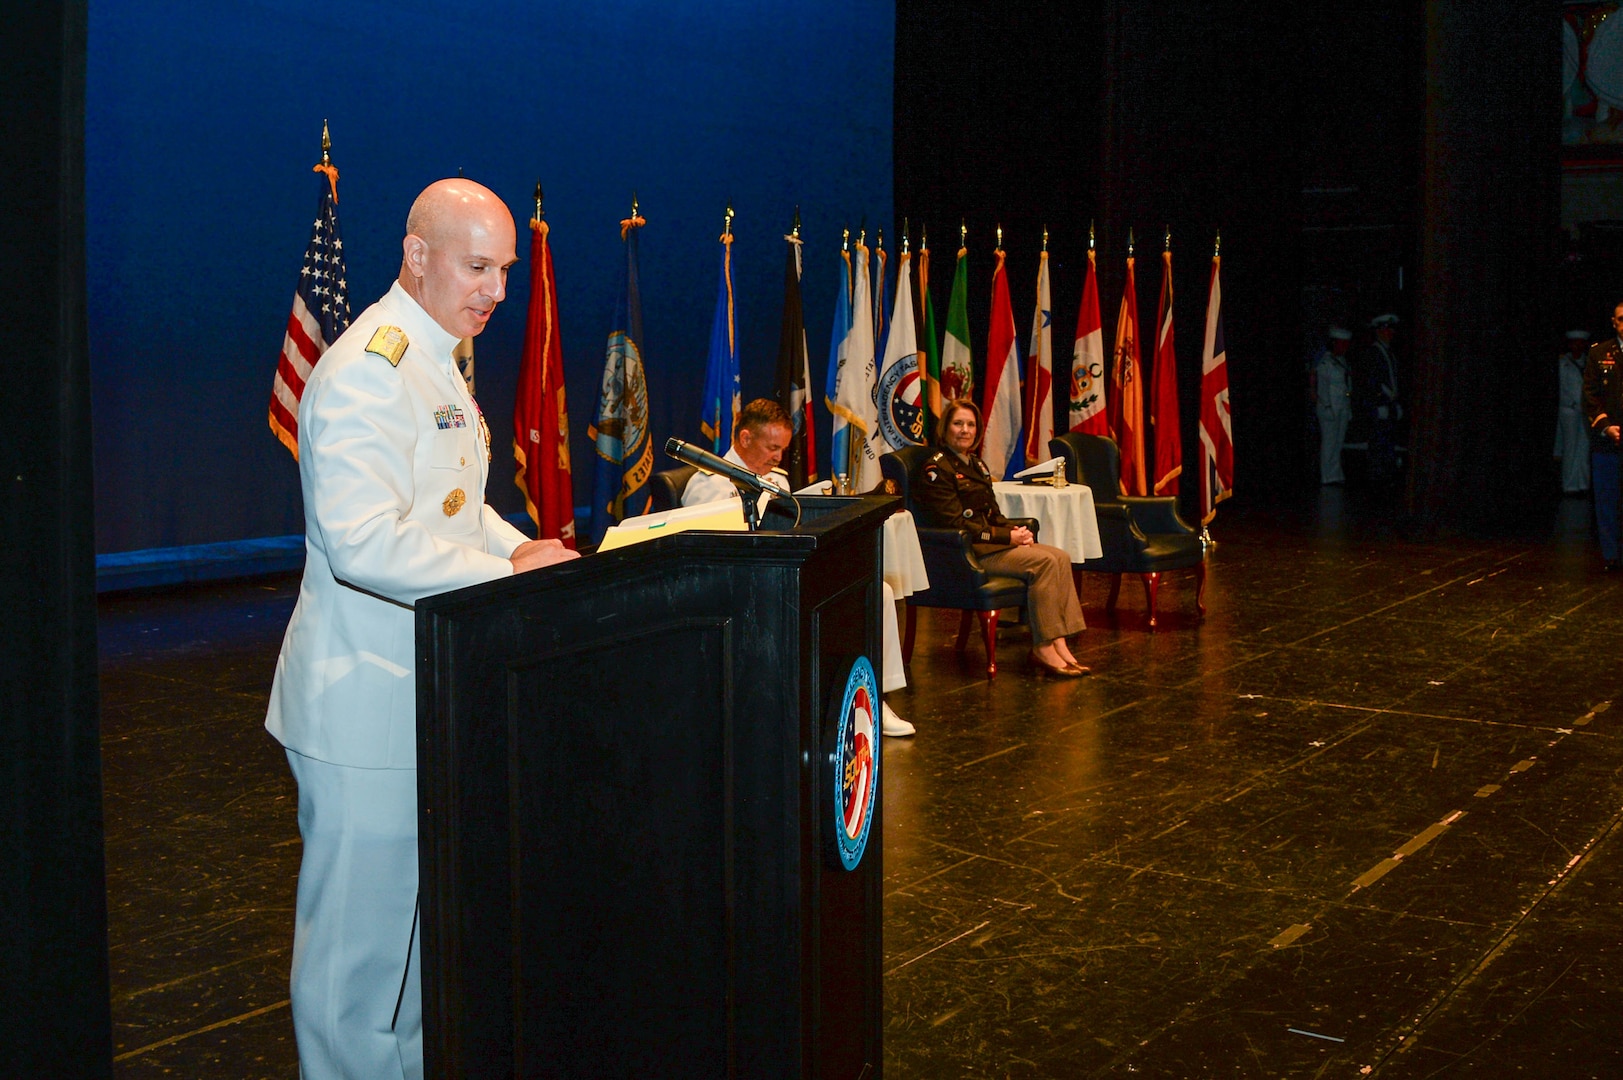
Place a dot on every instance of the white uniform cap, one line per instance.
(1388, 319)
(1577, 335)
(1340, 333)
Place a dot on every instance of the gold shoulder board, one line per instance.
(390, 343)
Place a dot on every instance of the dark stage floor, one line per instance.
(1366, 819)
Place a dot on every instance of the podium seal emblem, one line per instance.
(856, 763)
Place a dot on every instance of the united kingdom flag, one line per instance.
(320, 310)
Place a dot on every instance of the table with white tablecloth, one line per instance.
(1065, 513)
(904, 559)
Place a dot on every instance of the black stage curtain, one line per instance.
(1381, 156)
(54, 1017)
(1487, 324)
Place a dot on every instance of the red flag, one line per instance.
(540, 417)
(1088, 361)
(1164, 391)
(1127, 379)
(1216, 434)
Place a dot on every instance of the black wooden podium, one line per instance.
(628, 813)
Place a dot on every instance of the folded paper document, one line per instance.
(726, 515)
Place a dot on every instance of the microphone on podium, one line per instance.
(710, 463)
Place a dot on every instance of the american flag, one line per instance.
(320, 313)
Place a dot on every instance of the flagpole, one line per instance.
(1206, 541)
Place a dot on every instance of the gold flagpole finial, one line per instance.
(327, 168)
(904, 236)
(845, 238)
(727, 220)
(924, 237)
(880, 243)
(795, 232)
(1166, 243)
(862, 233)
(963, 233)
(1090, 235)
(538, 198)
(1129, 242)
(1217, 248)
(1000, 236)
(634, 206)
(1045, 239)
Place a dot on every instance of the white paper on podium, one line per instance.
(724, 515)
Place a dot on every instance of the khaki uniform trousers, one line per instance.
(1051, 607)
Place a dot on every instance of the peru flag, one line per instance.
(1001, 440)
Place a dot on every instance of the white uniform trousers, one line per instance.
(356, 983)
(891, 675)
(1332, 434)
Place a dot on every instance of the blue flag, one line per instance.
(721, 393)
(840, 443)
(625, 453)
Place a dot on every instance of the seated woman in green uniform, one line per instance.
(954, 491)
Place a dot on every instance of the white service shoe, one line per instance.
(891, 724)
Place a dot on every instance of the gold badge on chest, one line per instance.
(454, 502)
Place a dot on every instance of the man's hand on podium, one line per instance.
(534, 554)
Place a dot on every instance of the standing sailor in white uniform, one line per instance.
(1571, 432)
(393, 459)
(1333, 379)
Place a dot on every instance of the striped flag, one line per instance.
(1088, 360)
(881, 296)
(794, 372)
(1001, 440)
(855, 386)
(1040, 373)
(1127, 380)
(957, 362)
(1164, 391)
(320, 311)
(721, 380)
(1216, 435)
(540, 414)
(839, 443)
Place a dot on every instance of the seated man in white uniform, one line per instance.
(393, 459)
(760, 436)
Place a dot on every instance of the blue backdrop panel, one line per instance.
(203, 121)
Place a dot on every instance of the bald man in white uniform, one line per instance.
(393, 459)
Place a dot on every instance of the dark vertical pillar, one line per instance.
(53, 909)
(1491, 210)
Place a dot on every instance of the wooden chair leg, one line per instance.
(1152, 584)
(964, 619)
(1200, 587)
(1115, 591)
(989, 631)
(907, 636)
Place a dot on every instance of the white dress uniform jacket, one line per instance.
(708, 487)
(393, 459)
